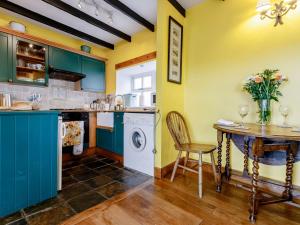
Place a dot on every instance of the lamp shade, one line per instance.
(264, 5)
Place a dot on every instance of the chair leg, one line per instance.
(200, 176)
(213, 164)
(175, 166)
(186, 161)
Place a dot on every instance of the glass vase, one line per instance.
(264, 112)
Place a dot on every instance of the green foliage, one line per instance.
(265, 85)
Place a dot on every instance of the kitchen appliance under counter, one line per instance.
(73, 116)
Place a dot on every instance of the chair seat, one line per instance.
(198, 148)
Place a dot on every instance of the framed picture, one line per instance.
(175, 51)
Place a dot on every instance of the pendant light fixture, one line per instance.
(276, 10)
(97, 9)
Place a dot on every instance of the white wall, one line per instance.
(123, 85)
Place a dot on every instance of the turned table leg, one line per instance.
(258, 151)
(290, 157)
(246, 156)
(254, 202)
(219, 168)
(227, 167)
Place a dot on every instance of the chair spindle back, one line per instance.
(178, 129)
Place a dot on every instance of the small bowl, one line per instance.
(85, 48)
(17, 26)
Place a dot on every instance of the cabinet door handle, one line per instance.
(64, 130)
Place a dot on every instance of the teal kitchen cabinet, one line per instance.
(105, 139)
(30, 62)
(118, 133)
(28, 159)
(112, 140)
(64, 60)
(6, 57)
(95, 74)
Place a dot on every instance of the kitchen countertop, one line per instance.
(79, 110)
(96, 111)
(3, 112)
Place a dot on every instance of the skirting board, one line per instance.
(109, 154)
(160, 173)
(68, 156)
(267, 185)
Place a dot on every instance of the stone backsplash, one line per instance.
(57, 95)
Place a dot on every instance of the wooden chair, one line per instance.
(180, 134)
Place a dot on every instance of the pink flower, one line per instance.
(278, 76)
(258, 79)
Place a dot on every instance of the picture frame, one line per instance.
(175, 51)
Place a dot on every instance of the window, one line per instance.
(143, 87)
(142, 83)
(147, 82)
(137, 83)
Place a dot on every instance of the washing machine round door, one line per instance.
(137, 139)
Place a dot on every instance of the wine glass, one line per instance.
(284, 110)
(243, 111)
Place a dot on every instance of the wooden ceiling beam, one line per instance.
(132, 14)
(89, 19)
(52, 23)
(179, 7)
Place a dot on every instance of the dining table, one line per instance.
(287, 139)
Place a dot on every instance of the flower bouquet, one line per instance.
(263, 87)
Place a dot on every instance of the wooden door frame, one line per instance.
(137, 60)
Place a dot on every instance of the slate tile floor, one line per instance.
(86, 183)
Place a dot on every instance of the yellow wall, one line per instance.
(142, 43)
(226, 42)
(170, 96)
(51, 35)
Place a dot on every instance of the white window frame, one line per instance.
(141, 90)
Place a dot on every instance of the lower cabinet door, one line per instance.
(118, 133)
(105, 139)
(28, 154)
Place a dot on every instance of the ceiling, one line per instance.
(189, 3)
(145, 8)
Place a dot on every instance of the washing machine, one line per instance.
(139, 142)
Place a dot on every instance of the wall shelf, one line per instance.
(29, 69)
(31, 57)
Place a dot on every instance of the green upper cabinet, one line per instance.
(27, 62)
(95, 74)
(30, 62)
(6, 57)
(64, 60)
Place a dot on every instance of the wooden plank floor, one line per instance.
(162, 202)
